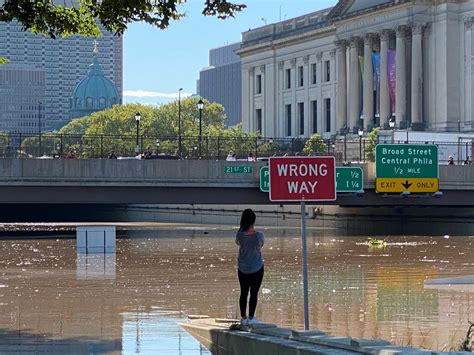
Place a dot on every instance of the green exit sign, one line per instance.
(348, 179)
(236, 169)
(264, 179)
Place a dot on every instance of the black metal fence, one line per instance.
(346, 149)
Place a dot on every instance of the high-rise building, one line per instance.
(64, 63)
(22, 94)
(220, 81)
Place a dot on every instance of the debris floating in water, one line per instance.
(446, 236)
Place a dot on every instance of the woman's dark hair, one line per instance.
(247, 219)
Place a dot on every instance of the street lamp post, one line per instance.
(391, 124)
(39, 128)
(179, 122)
(360, 133)
(138, 117)
(200, 106)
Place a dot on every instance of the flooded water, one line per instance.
(132, 301)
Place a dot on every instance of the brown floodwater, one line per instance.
(52, 298)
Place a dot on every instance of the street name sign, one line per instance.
(406, 167)
(302, 179)
(237, 169)
(348, 179)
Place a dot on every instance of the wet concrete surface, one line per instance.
(52, 299)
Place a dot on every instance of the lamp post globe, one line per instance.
(200, 106)
(391, 122)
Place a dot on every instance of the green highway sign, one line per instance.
(264, 179)
(349, 179)
(236, 169)
(406, 167)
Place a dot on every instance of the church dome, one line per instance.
(94, 93)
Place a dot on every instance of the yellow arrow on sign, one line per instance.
(406, 184)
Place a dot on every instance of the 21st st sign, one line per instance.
(302, 179)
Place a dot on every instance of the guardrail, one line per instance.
(350, 148)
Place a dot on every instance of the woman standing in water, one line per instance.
(250, 265)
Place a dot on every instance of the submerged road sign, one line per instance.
(406, 167)
(302, 179)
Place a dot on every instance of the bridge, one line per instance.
(124, 182)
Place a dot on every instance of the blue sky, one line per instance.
(159, 62)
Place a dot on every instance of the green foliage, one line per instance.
(4, 60)
(116, 128)
(314, 145)
(374, 242)
(42, 16)
(371, 143)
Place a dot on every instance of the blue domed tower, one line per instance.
(94, 93)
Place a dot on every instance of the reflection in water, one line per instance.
(157, 332)
(50, 294)
(95, 266)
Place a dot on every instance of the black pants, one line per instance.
(250, 282)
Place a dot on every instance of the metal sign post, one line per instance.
(303, 179)
(305, 265)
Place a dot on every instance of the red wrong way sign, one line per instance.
(302, 179)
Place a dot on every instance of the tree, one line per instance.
(371, 143)
(314, 145)
(42, 16)
(3, 60)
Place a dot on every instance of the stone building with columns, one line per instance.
(361, 63)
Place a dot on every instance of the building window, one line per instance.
(327, 70)
(288, 119)
(314, 115)
(313, 74)
(89, 102)
(259, 84)
(301, 117)
(288, 79)
(102, 102)
(258, 114)
(300, 76)
(327, 104)
(78, 102)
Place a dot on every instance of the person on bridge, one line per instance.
(250, 265)
(451, 160)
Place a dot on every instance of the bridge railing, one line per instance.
(350, 148)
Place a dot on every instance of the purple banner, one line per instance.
(392, 78)
(376, 67)
(361, 103)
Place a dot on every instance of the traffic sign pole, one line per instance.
(305, 265)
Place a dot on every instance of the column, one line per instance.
(384, 90)
(368, 97)
(401, 85)
(341, 110)
(416, 77)
(246, 99)
(306, 79)
(319, 68)
(294, 102)
(252, 125)
(468, 116)
(280, 130)
(354, 88)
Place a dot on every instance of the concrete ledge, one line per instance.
(269, 339)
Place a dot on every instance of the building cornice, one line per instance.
(287, 41)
